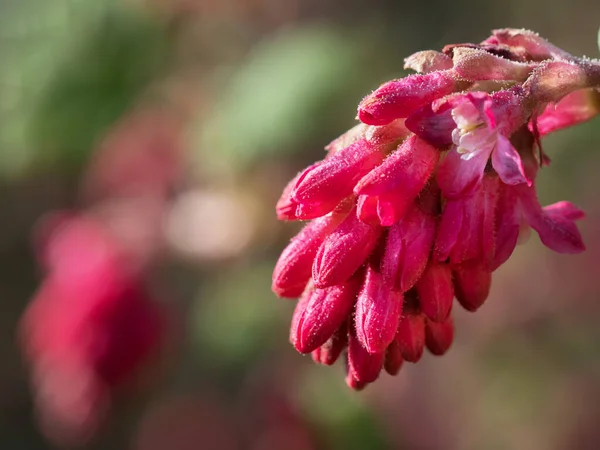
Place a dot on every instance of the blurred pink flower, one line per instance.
(424, 200)
(90, 330)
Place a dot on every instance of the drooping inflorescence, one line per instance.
(423, 200)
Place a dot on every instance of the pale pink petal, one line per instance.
(457, 177)
(507, 163)
(575, 108)
(564, 209)
(558, 233)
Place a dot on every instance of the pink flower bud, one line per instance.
(407, 249)
(400, 178)
(354, 384)
(536, 47)
(366, 209)
(439, 336)
(475, 64)
(553, 80)
(399, 98)
(434, 126)
(436, 291)
(466, 230)
(330, 351)
(294, 267)
(411, 336)
(324, 185)
(320, 313)
(378, 310)
(364, 367)
(472, 283)
(393, 359)
(428, 61)
(344, 251)
(286, 206)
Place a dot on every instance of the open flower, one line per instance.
(483, 126)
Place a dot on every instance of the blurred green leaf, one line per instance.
(287, 92)
(70, 68)
(518, 393)
(344, 416)
(237, 316)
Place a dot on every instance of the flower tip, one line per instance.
(393, 359)
(283, 286)
(354, 384)
(367, 117)
(439, 336)
(285, 293)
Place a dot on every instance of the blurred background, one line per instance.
(176, 124)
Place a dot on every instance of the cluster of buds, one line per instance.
(423, 200)
(91, 329)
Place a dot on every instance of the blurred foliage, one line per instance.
(70, 69)
(343, 415)
(287, 92)
(238, 338)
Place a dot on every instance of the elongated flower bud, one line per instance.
(399, 98)
(294, 268)
(439, 336)
(378, 310)
(344, 251)
(411, 336)
(472, 284)
(362, 365)
(436, 291)
(320, 314)
(393, 359)
(330, 351)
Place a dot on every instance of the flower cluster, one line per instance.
(90, 329)
(423, 200)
